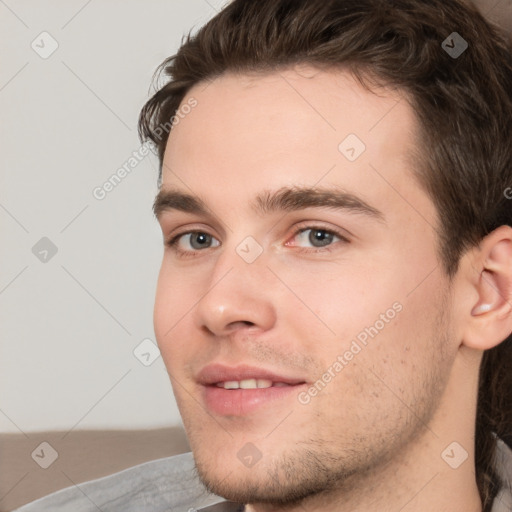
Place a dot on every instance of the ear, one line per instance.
(489, 317)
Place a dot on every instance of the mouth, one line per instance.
(241, 390)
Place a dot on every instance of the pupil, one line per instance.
(202, 238)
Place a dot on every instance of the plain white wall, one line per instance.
(68, 122)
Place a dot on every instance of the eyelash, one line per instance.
(173, 241)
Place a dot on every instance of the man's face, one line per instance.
(346, 320)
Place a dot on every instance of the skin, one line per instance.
(372, 438)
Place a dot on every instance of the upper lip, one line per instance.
(214, 373)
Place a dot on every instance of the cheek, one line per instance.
(173, 302)
(338, 302)
(380, 380)
(379, 314)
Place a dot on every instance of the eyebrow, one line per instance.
(285, 199)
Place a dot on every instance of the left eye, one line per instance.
(320, 236)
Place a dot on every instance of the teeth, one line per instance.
(249, 384)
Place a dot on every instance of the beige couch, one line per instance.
(82, 456)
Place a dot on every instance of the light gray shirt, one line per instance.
(171, 484)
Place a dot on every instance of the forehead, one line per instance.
(299, 126)
(297, 102)
(302, 111)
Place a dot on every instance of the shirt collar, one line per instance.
(223, 506)
(503, 501)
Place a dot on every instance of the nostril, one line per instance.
(241, 323)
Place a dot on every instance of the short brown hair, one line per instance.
(463, 104)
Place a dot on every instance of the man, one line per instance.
(334, 306)
(350, 248)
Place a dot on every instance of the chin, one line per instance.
(285, 481)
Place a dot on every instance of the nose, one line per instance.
(239, 295)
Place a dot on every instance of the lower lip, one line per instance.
(240, 402)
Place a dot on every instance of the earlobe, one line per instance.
(490, 320)
(493, 291)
